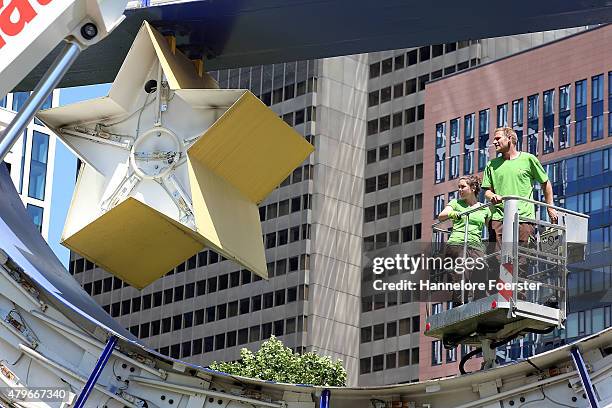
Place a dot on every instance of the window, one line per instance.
(379, 331)
(385, 123)
(375, 70)
(396, 149)
(38, 165)
(410, 115)
(412, 57)
(394, 208)
(437, 50)
(383, 152)
(517, 121)
(387, 66)
(366, 334)
(450, 47)
(414, 355)
(597, 88)
(383, 181)
(373, 98)
(564, 117)
(168, 296)
(36, 215)
(397, 119)
(502, 115)
(385, 94)
(378, 362)
(420, 112)
(423, 79)
(609, 103)
(391, 329)
(436, 352)
(440, 152)
(223, 282)
(549, 121)
(483, 139)
(416, 321)
(398, 90)
(19, 99)
(469, 144)
(365, 365)
(424, 53)
(268, 300)
(455, 149)
(404, 358)
(438, 205)
(411, 86)
(220, 341)
(399, 61)
(580, 127)
(221, 311)
(532, 124)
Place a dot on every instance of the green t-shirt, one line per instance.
(514, 177)
(476, 224)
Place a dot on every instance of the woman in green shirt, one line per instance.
(468, 187)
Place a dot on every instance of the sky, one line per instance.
(64, 172)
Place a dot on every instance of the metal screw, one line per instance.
(89, 31)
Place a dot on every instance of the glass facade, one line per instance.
(584, 183)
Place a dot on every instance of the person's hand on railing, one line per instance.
(496, 199)
(552, 214)
(454, 215)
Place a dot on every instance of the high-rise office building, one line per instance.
(557, 98)
(359, 192)
(208, 308)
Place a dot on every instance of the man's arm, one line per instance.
(492, 197)
(548, 199)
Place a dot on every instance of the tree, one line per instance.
(275, 362)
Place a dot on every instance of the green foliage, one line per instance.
(275, 362)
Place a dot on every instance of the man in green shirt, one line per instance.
(514, 173)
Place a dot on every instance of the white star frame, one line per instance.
(173, 165)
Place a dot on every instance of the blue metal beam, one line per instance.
(584, 377)
(324, 400)
(95, 374)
